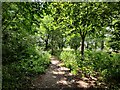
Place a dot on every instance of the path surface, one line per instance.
(60, 77)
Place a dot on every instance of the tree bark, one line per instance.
(46, 44)
(102, 44)
(87, 45)
(95, 45)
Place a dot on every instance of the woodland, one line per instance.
(84, 36)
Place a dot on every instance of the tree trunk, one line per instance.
(46, 44)
(102, 44)
(82, 48)
(52, 51)
(87, 45)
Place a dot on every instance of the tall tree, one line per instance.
(20, 21)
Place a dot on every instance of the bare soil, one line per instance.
(58, 76)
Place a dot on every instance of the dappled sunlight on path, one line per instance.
(58, 76)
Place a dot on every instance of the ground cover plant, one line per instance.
(85, 36)
(100, 64)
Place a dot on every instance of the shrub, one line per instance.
(108, 65)
(69, 58)
(18, 74)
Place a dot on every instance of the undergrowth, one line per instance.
(19, 74)
(98, 63)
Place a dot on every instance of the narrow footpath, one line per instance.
(58, 76)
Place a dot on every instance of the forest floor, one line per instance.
(58, 76)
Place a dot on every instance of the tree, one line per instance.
(19, 27)
(83, 20)
(115, 38)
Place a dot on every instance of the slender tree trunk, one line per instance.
(87, 45)
(82, 48)
(52, 47)
(46, 44)
(52, 51)
(102, 44)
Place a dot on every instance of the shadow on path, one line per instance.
(60, 77)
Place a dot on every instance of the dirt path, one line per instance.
(60, 77)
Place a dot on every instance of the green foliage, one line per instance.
(108, 65)
(68, 57)
(75, 41)
(22, 57)
(30, 28)
(19, 74)
(115, 40)
(18, 31)
(104, 66)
